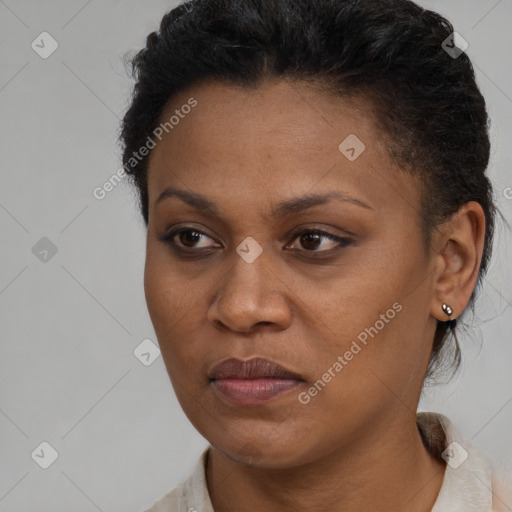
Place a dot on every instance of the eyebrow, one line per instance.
(282, 209)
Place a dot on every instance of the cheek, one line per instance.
(374, 318)
(170, 299)
(170, 295)
(159, 290)
(173, 304)
(362, 372)
(176, 305)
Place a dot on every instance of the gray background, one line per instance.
(69, 326)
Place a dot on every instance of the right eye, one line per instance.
(185, 239)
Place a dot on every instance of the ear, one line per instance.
(458, 247)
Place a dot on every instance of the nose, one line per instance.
(249, 295)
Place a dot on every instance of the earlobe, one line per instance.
(461, 241)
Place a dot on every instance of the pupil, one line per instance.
(189, 236)
(310, 237)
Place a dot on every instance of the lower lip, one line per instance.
(253, 391)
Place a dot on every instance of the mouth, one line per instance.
(252, 382)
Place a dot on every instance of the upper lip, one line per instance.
(257, 367)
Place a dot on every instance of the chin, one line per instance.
(260, 452)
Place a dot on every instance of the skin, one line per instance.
(355, 443)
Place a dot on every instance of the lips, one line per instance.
(252, 382)
(256, 368)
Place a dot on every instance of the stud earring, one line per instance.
(447, 310)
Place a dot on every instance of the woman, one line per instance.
(312, 177)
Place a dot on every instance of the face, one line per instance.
(299, 251)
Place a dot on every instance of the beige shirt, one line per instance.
(467, 485)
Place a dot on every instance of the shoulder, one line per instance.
(470, 483)
(191, 495)
(171, 502)
(501, 492)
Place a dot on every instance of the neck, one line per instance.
(388, 466)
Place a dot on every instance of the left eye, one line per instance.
(311, 240)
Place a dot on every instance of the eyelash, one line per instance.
(342, 242)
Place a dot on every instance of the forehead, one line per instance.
(263, 144)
